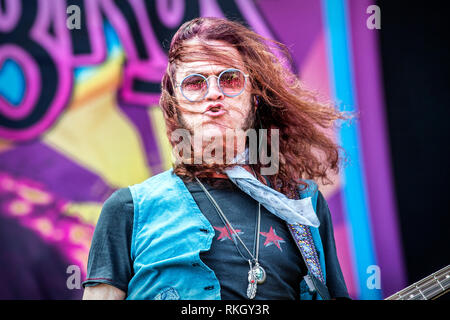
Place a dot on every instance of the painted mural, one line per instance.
(79, 119)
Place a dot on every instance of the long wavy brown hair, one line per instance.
(305, 150)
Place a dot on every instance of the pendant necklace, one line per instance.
(256, 273)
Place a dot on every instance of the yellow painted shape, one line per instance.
(106, 78)
(99, 137)
(88, 212)
(159, 127)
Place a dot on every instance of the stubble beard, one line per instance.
(249, 123)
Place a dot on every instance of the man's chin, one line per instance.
(214, 130)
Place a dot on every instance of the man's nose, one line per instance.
(214, 92)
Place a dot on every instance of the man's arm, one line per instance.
(103, 291)
(109, 266)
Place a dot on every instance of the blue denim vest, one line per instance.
(170, 231)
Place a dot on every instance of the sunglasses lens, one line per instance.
(232, 82)
(194, 87)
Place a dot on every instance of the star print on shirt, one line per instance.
(225, 234)
(272, 238)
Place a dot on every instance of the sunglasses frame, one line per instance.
(218, 84)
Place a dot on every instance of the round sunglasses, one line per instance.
(231, 82)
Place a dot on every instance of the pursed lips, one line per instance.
(215, 110)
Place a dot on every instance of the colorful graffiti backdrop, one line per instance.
(79, 119)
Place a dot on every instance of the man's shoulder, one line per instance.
(118, 204)
(119, 198)
(156, 179)
(155, 185)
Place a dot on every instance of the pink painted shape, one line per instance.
(52, 13)
(51, 213)
(314, 70)
(143, 71)
(9, 19)
(257, 23)
(210, 8)
(170, 15)
(152, 70)
(254, 19)
(96, 37)
(345, 259)
(58, 51)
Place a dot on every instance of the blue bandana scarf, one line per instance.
(290, 210)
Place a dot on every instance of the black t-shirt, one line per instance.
(110, 262)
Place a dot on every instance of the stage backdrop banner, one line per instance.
(79, 118)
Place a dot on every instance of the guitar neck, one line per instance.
(428, 288)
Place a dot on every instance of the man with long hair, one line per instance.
(239, 216)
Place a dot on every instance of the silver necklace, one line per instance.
(256, 273)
